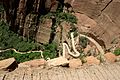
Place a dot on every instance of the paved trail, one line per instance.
(96, 72)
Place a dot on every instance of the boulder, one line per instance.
(8, 64)
(75, 63)
(57, 61)
(33, 63)
(90, 60)
(110, 57)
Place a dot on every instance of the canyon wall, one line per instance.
(99, 17)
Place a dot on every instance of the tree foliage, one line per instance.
(9, 39)
(50, 50)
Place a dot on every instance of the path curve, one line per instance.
(77, 54)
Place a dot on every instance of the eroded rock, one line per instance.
(8, 64)
(75, 63)
(57, 61)
(90, 60)
(33, 63)
(44, 31)
(84, 23)
(110, 57)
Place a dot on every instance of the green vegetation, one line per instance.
(73, 29)
(20, 57)
(50, 51)
(117, 52)
(57, 17)
(60, 17)
(83, 42)
(9, 39)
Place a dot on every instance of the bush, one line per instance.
(117, 52)
(50, 51)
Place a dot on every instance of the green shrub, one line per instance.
(83, 42)
(68, 17)
(50, 51)
(117, 52)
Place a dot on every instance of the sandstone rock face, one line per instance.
(21, 14)
(51, 5)
(57, 61)
(9, 64)
(92, 8)
(29, 30)
(109, 24)
(75, 63)
(18, 11)
(92, 60)
(33, 63)
(84, 23)
(66, 28)
(110, 57)
(106, 13)
(44, 31)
